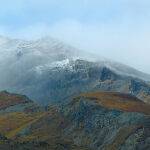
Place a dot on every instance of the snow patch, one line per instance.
(57, 64)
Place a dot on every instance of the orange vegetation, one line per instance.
(12, 123)
(114, 100)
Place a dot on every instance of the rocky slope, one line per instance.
(108, 121)
(90, 121)
(26, 125)
(45, 69)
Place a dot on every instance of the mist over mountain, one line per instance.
(68, 99)
(46, 68)
(74, 75)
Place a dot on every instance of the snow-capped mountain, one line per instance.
(46, 68)
(47, 53)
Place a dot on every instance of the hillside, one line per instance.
(108, 121)
(26, 125)
(8, 99)
(118, 101)
(90, 121)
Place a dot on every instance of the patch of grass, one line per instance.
(123, 102)
(47, 128)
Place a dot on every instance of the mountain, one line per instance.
(47, 70)
(91, 103)
(108, 121)
(90, 121)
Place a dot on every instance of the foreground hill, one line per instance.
(90, 121)
(109, 121)
(26, 125)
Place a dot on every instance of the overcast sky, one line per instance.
(116, 29)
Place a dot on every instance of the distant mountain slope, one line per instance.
(45, 69)
(58, 84)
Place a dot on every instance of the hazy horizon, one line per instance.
(117, 29)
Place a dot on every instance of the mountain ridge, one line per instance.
(44, 69)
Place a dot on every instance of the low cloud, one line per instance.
(127, 45)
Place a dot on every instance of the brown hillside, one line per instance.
(114, 100)
(7, 99)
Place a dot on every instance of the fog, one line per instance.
(117, 30)
(126, 46)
